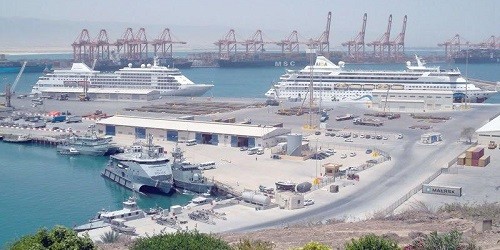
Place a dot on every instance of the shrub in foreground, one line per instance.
(315, 246)
(371, 242)
(247, 244)
(451, 240)
(58, 238)
(186, 240)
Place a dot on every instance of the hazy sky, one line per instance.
(429, 21)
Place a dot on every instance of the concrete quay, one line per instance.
(379, 186)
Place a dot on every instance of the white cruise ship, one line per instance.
(333, 83)
(167, 81)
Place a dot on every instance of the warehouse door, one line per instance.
(251, 142)
(243, 142)
(234, 141)
(199, 138)
(110, 130)
(206, 138)
(172, 135)
(215, 139)
(140, 133)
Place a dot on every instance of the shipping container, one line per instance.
(477, 153)
(484, 161)
(468, 162)
(475, 162)
(461, 160)
(468, 153)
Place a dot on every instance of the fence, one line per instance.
(417, 189)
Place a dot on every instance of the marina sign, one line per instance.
(443, 190)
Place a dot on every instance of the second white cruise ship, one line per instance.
(332, 83)
(167, 81)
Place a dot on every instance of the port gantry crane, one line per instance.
(227, 45)
(99, 49)
(322, 43)
(382, 46)
(162, 46)
(290, 44)
(10, 90)
(356, 46)
(490, 43)
(82, 47)
(255, 44)
(453, 45)
(398, 44)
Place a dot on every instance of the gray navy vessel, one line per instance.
(188, 176)
(141, 168)
(88, 144)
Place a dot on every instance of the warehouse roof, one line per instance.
(194, 126)
(492, 126)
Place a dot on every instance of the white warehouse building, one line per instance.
(412, 100)
(489, 132)
(215, 133)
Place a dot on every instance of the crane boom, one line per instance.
(18, 77)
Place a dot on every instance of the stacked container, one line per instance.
(474, 157)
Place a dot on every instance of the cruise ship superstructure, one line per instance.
(332, 82)
(167, 81)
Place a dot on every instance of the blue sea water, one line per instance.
(41, 188)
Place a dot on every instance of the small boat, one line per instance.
(69, 151)
(17, 138)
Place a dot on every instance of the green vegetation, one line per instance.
(59, 238)
(248, 244)
(474, 211)
(110, 237)
(447, 241)
(314, 246)
(190, 240)
(372, 242)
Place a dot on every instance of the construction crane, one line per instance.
(382, 45)
(356, 46)
(322, 43)
(453, 45)
(9, 91)
(398, 44)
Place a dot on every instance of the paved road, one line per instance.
(413, 163)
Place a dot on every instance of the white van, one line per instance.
(191, 142)
(252, 151)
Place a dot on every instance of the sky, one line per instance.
(429, 22)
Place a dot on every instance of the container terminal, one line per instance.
(105, 54)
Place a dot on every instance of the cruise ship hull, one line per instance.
(191, 90)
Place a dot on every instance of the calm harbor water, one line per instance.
(41, 188)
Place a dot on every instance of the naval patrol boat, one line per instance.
(142, 168)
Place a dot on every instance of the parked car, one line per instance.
(348, 140)
(367, 136)
(361, 136)
(243, 149)
(308, 202)
(343, 156)
(317, 133)
(385, 138)
(400, 136)
(352, 154)
(275, 156)
(368, 151)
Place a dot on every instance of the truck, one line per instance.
(73, 119)
(367, 122)
(59, 118)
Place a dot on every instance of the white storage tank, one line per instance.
(294, 144)
(254, 198)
